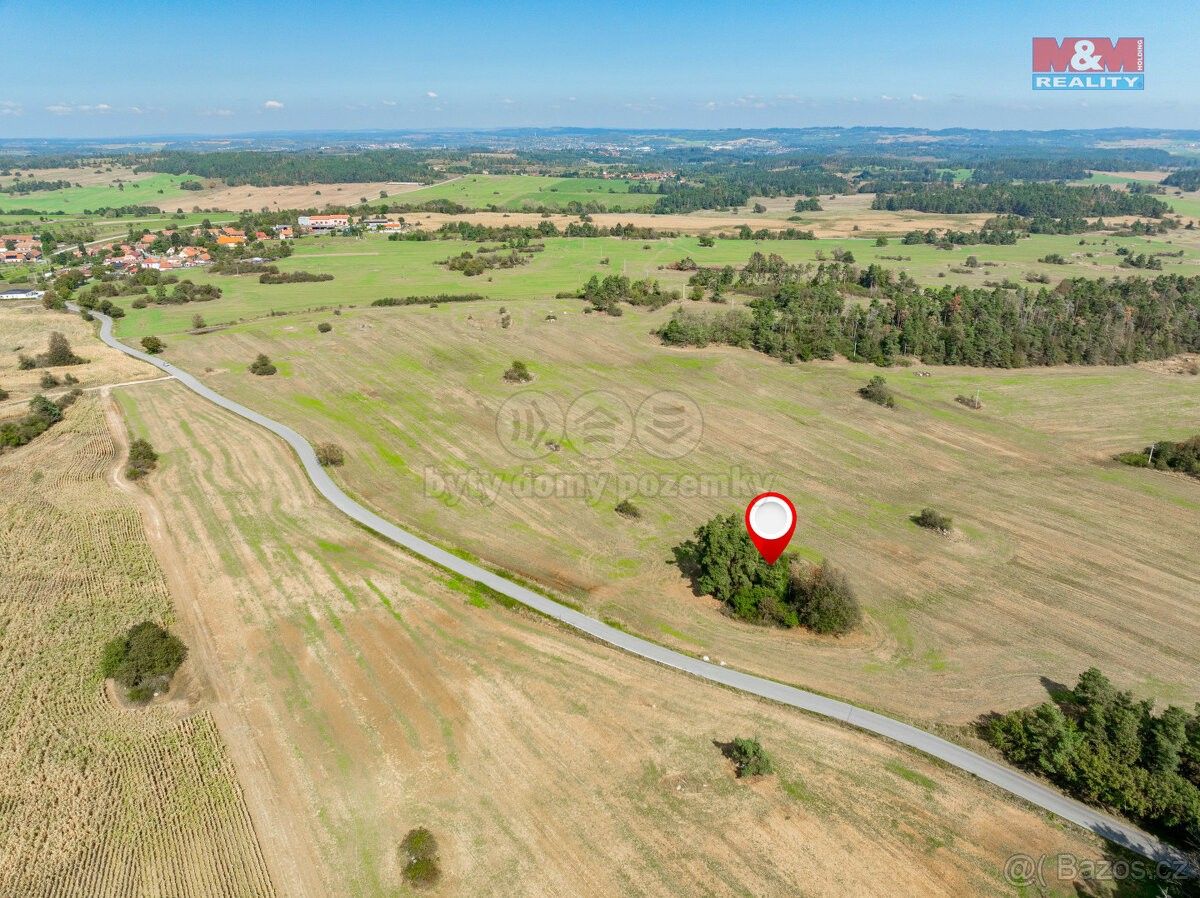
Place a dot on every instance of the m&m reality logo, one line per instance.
(1089, 63)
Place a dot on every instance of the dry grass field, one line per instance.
(381, 695)
(97, 800)
(25, 327)
(246, 198)
(1061, 559)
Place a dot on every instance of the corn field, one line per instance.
(96, 800)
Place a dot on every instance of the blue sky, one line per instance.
(113, 68)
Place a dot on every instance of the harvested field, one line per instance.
(98, 800)
(1062, 560)
(246, 198)
(382, 695)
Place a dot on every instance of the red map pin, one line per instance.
(770, 521)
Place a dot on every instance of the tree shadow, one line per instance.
(684, 558)
(1129, 875)
(1056, 690)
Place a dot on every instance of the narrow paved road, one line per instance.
(1031, 790)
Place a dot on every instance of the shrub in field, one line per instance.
(749, 758)
(143, 660)
(331, 455)
(627, 509)
(48, 380)
(153, 345)
(823, 599)
(969, 401)
(58, 353)
(419, 854)
(518, 373)
(142, 459)
(324, 327)
(3, 394)
(933, 520)
(262, 365)
(877, 391)
(197, 321)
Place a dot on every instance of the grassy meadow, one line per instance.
(158, 190)
(1059, 558)
(373, 267)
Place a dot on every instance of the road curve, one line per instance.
(1033, 791)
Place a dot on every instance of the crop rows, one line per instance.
(96, 800)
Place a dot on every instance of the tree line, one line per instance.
(1106, 748)
(1081, 321)
(1029, 200)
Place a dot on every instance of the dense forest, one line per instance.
(1030, 200)
(276, 169)
(1107, 748)
(1088, 322)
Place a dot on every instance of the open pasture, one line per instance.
(517, 191)
(1060, 558)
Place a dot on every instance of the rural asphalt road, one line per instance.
(1020, 785)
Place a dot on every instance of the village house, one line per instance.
(20, 293)
(323, 224)
(16, 248)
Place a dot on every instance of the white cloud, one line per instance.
(222, 113)
(8, 107)
(886, 98)
(60, 109)
(388, 102)
(917, 97)
(508, 101)
(272, 104)
(432, 94)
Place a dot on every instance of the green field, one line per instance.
(373, 267)
(154, 190)
(516, 191)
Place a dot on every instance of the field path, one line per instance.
(286, 849)
(1031, 790)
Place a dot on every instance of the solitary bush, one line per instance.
(142, 459)
(877, 391)
(419, 853)
(823, 599)
(518, 373)
(262, 365)
(969, 401)
(1166, 455)
(749, 758)
(197, 321)
(58, 353)
(153, 345)
(933, 520)
(48, 380)
(331, 455)
(324, 327)
(627, 509)
(3, 394)
(143, 660)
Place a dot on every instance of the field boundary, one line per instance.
(1012, 781)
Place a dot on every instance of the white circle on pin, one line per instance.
(770, 517)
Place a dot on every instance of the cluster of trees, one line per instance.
(271, 169)
(1165, 455)
(1184, 179)
(1029, 200)
(34, 186)
(605, 294)
(518, 373)
(422, 866)
(989, 236)
(1082, 321)
(42, 415)
(1107, 748)
(58, 353)
(143, 660)
(142, 459)
(262, 365)
(807, 204)
(723, 562)
(876, 390)
(473, 264)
